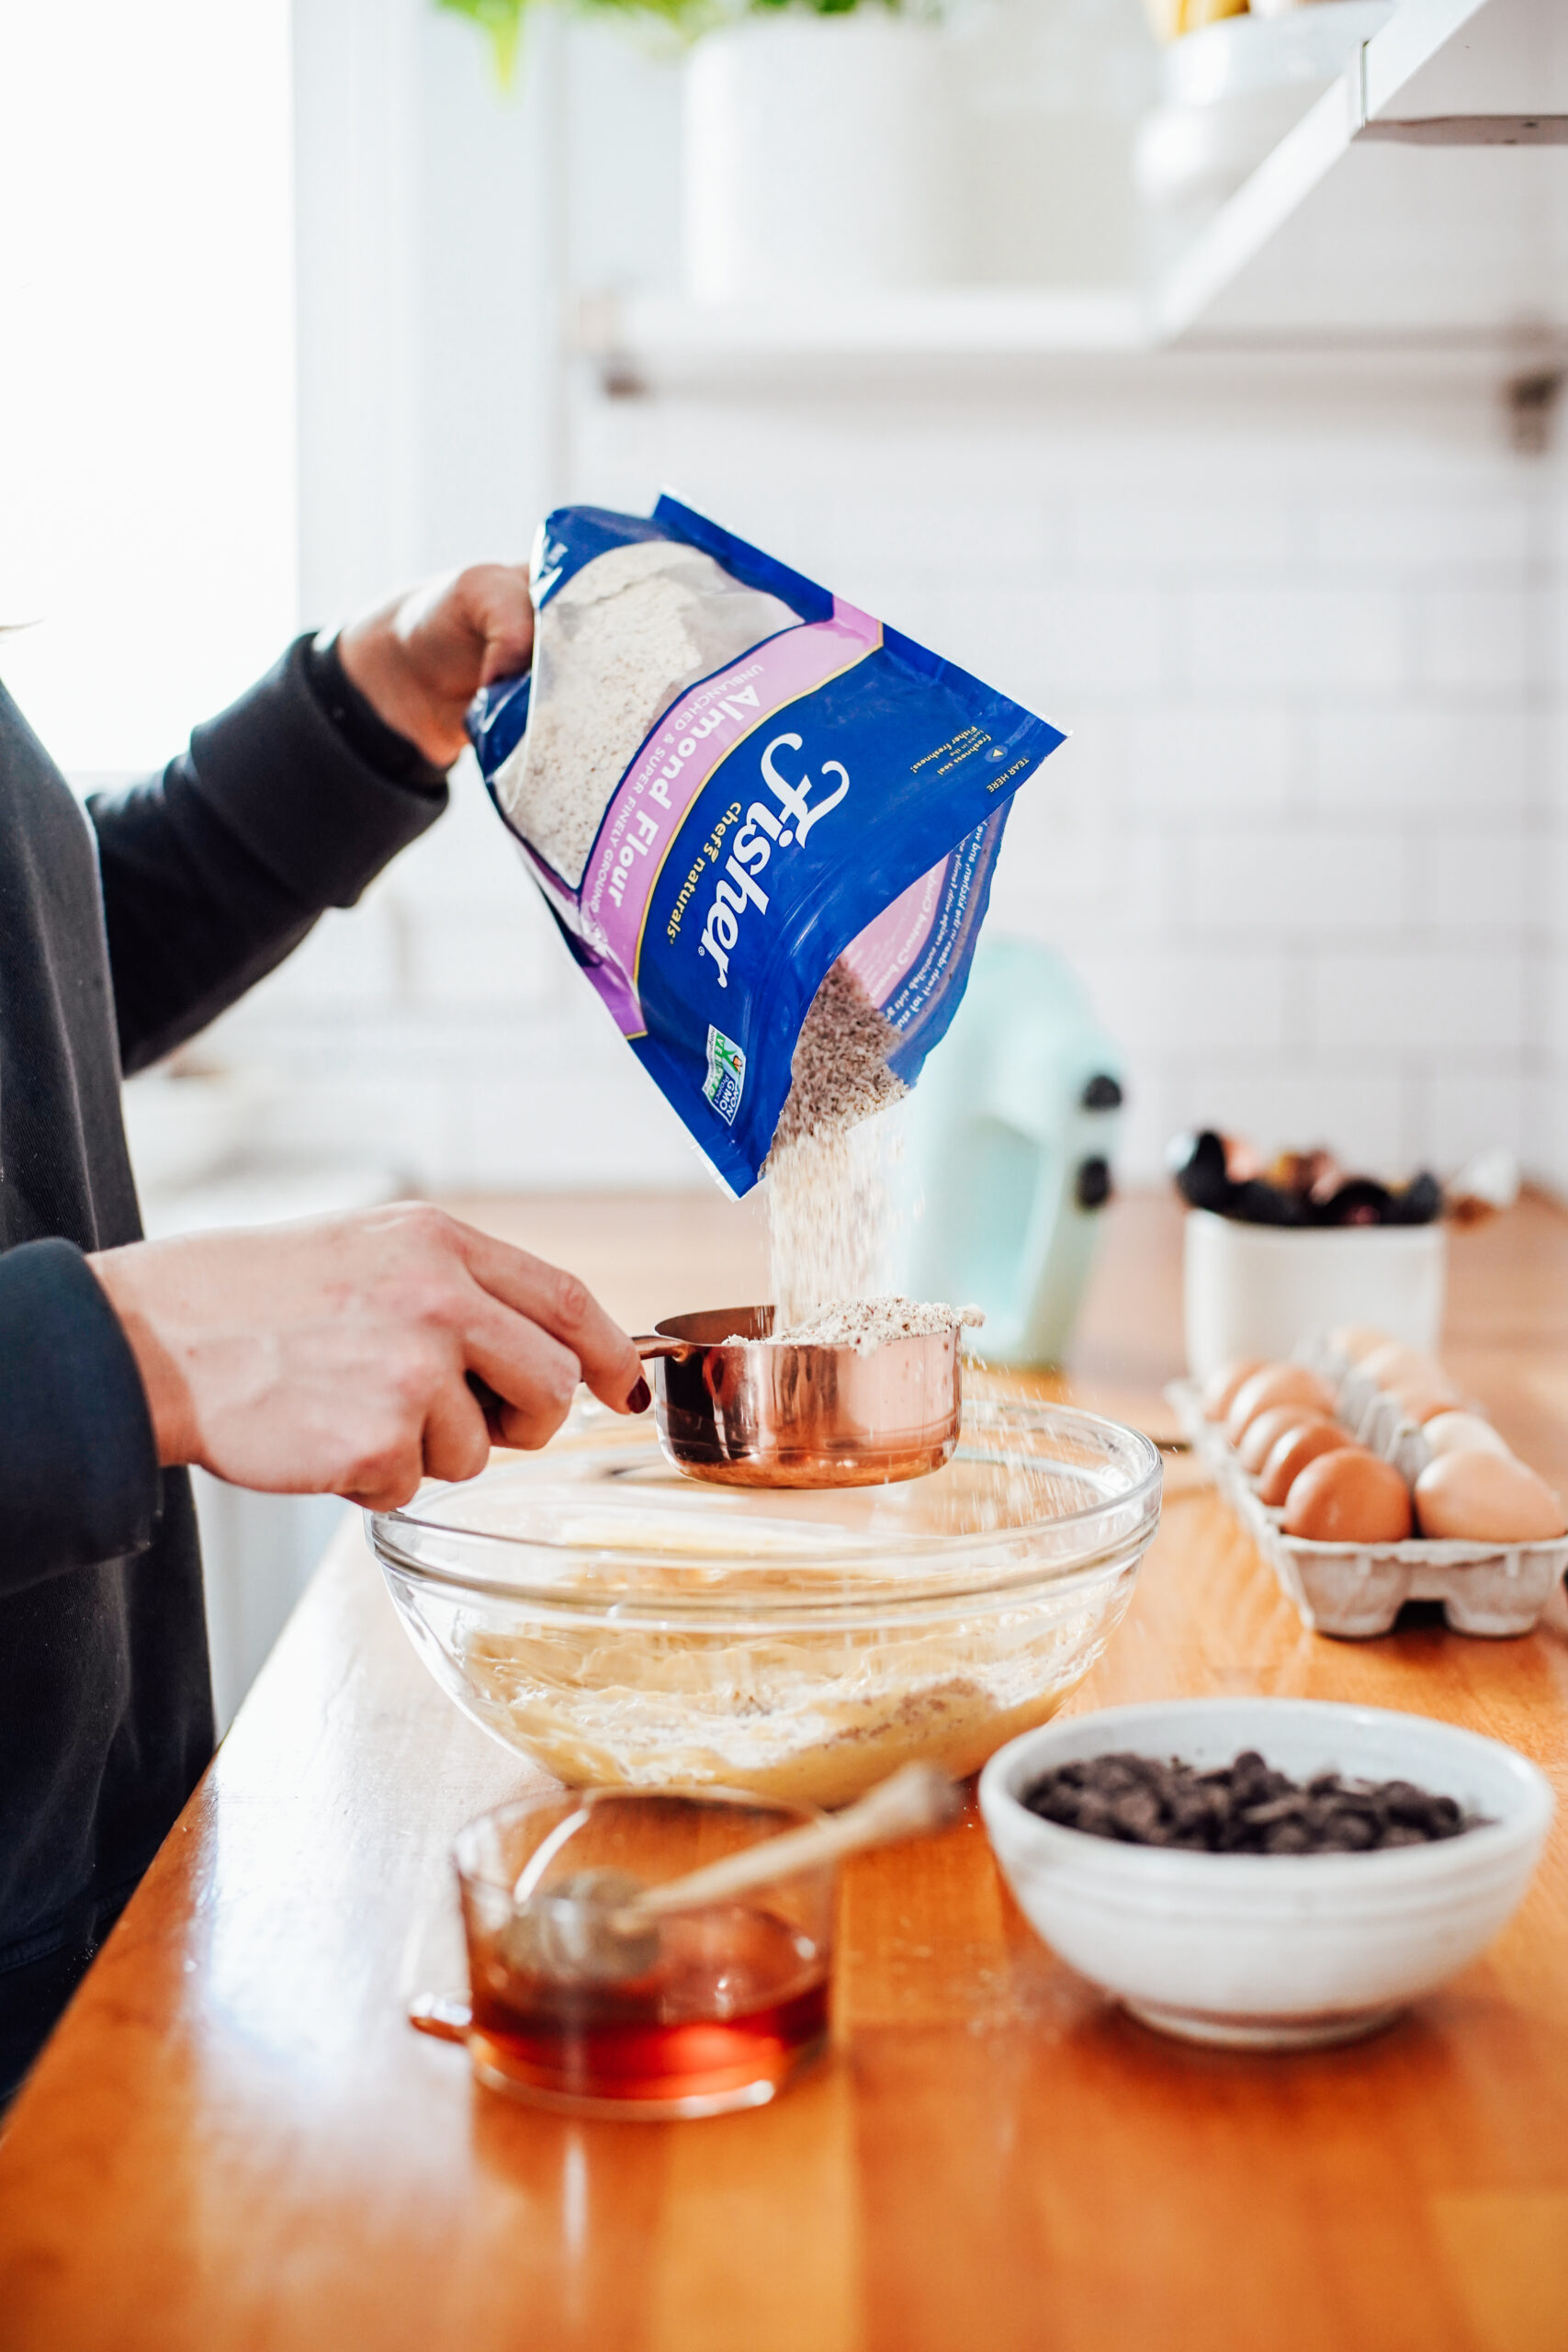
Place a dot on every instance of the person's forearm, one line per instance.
(78, 1461)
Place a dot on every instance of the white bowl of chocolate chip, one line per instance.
(1318, 1867)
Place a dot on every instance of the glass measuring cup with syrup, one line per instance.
(717, 2009)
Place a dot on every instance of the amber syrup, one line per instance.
(736, 2002)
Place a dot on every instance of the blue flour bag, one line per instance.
(724, 781)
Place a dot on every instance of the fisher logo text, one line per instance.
(764, 831)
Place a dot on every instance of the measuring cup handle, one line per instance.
(649, 1344)
(436, 2013)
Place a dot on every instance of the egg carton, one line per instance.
(1373, 1417)
(1356, 1591)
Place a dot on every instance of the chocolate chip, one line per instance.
(1244, 1807)
(1137, 1817)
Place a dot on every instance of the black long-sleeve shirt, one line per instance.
(122, 932)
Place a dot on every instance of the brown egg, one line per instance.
(1263, 1433)
(1463, 1434)
(1277, 1384)
(1289, 1455)
(1219, 1390)
(1348, 1497)
(1419, 1400)
(1395, 1363)
(1489, 1497)
(1356, 1341)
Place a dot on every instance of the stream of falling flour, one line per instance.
(828, 1177)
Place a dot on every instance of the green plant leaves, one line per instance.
(501, 20)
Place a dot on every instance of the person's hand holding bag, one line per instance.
(420, 660)
(333, 1357)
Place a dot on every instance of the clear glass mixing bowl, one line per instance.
(623, 1626)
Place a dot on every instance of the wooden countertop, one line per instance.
(234, 2141)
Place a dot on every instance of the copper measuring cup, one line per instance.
(741, 1413)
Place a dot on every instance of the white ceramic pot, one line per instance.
(1255, 1290)
(818, 158)
(1270, 1950)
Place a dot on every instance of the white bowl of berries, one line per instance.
(1266, 1873)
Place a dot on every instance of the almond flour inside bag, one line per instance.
(612, 651)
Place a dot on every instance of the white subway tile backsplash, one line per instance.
(933, 537)
(1552, 1023)
(349, 959)
(1289, 881)
(1423, 755)
(1432, 1006)
(485, 962)
(1470, 1110)
(1188, 1000)
(1191, 539)
(1413, 538)
(1471, 880)
(1191, 762)
(466, 860)
(1547, 879)
(612, 1134)
(417, 1127)
(1049, 647)
(1241, 640)
(1487, 638)
(1081, 896)
(1063, 844)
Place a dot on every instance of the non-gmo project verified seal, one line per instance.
(727, 1075)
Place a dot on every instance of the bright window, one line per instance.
(147, 503)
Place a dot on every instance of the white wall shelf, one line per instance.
(1362, 219)
(976, 323)
(1423, 195)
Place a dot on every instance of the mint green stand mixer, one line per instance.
(1007, 1144)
